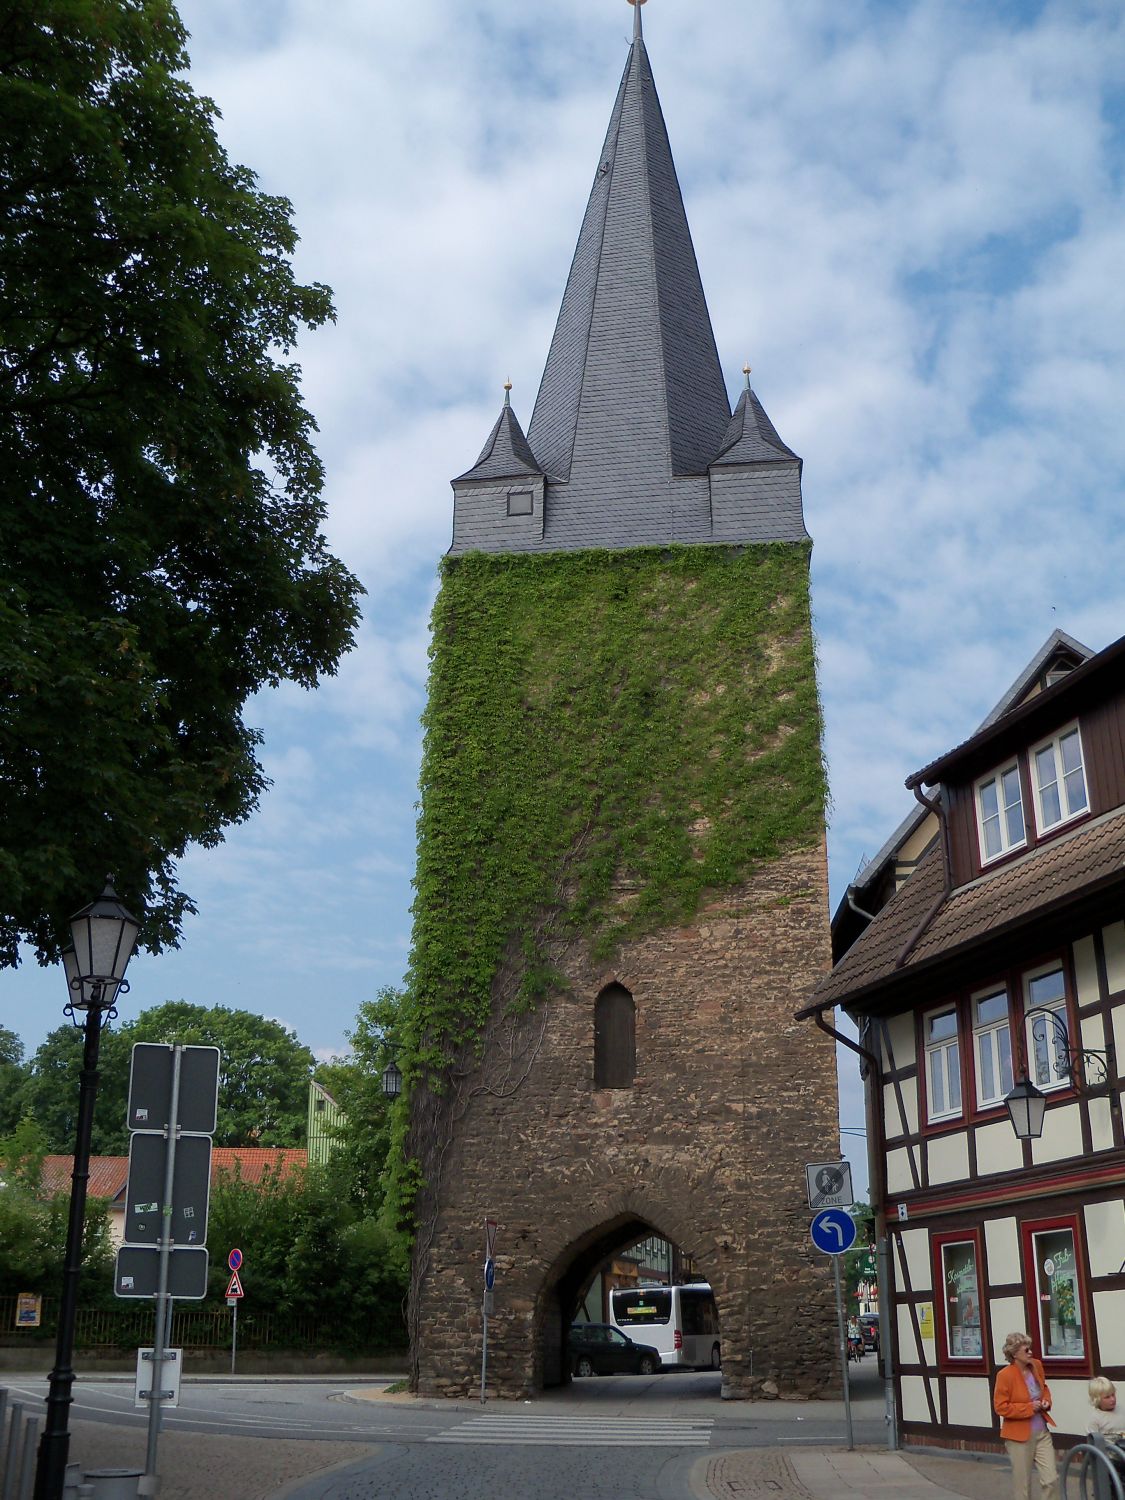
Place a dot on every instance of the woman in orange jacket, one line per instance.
(1022, 1401)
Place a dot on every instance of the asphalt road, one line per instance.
(621, 1437)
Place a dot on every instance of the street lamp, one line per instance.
(103, 936)
(392, 1080)
(1027, 1105)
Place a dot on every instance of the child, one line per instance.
(1106, 1418)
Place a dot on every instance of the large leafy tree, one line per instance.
(359, 1158)
(161, 555)
(11, 1079)
(263, 1077)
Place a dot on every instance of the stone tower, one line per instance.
(621, 889)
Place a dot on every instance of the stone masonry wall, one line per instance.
(732, 1097)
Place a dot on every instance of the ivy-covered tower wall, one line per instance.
(621, 885)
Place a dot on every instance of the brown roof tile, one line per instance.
(1049, 875)
(108, 1173)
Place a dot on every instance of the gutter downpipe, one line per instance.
(876, 1171)
(919, 932)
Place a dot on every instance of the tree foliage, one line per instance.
(161, 556)
(11, 1077)
(359, 1153)
(263, 1077)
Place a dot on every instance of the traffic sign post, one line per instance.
(235, 1295)
(487, 1299)
(833, 1231)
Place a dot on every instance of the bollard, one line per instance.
(114, 1484)
(12, 1452)
(26, 1482)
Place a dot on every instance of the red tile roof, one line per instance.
(250, 1164)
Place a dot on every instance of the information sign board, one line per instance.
(137, 1272)
(150, 1088)
(191, 1189)
(171, 1367)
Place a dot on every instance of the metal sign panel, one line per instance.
(234, 1288)
(137, 1272)
(829, 1184)
(171, 1368)
(191, 1189)
(833, 1231)
(150, 1088)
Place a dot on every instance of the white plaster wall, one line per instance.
(1070, 1405)
(900, 1030)
(1105, 1236)
(1002, 1251)
(1086, 971)
(916, 1248)
(1109, 1314)
(1006, 1315)
(1113, 937)
(1092, 1035)
(969, 1401)
(998, 1148)
(1101, 1125)
(892, 1119)
(1062, 1135)
(914, 1406)
(949, 1157)
(899, 1179)
(908, 1351)
(909, 1088)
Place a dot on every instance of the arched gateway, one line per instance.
(621, 890)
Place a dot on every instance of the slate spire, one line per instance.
(506, 454)
(633, 372)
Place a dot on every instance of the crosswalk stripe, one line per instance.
(564, 1432)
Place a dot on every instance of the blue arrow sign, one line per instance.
(489, 1274)
(833, 1231)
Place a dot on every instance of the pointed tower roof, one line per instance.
(507, 453)
(633, 373)
(751, 438)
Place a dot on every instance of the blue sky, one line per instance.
(908, 218)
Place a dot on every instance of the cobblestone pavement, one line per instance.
(196, 1467)
(824, 1474)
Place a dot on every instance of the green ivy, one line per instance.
(608, 736)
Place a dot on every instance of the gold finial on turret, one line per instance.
(636, 4)
(507, 393)
(746, 372)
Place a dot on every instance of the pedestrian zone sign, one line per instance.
(829, 1184)
(235, 1287)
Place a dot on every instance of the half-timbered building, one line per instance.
(982, 956)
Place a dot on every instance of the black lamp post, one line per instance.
(103, 936)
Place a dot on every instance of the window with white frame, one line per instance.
(1048, 1036)
(1059, 777)
(1058, 1293)
(992, 1046)
(943, 1064)
(1000, 821)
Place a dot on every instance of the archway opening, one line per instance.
(624, 1298)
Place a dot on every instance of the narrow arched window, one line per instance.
(615, 1038)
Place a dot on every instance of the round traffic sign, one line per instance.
(234, 1260)
(489, 1274)
(833, 1231)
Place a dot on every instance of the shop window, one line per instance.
(615, 1039)
(943, 1064)
(1056, 1291)
(958, 1275)
(992, 1047)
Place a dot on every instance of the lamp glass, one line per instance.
(104, 935)
(392, 1080)
(1026, 1108)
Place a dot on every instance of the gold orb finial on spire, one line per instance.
(636, 4)
(508, 392)
(746, 372)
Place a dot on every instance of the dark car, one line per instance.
(869, 1327)
(601, 1349)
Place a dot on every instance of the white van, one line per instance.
(681, 1321)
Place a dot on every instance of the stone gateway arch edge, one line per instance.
(621, 893)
